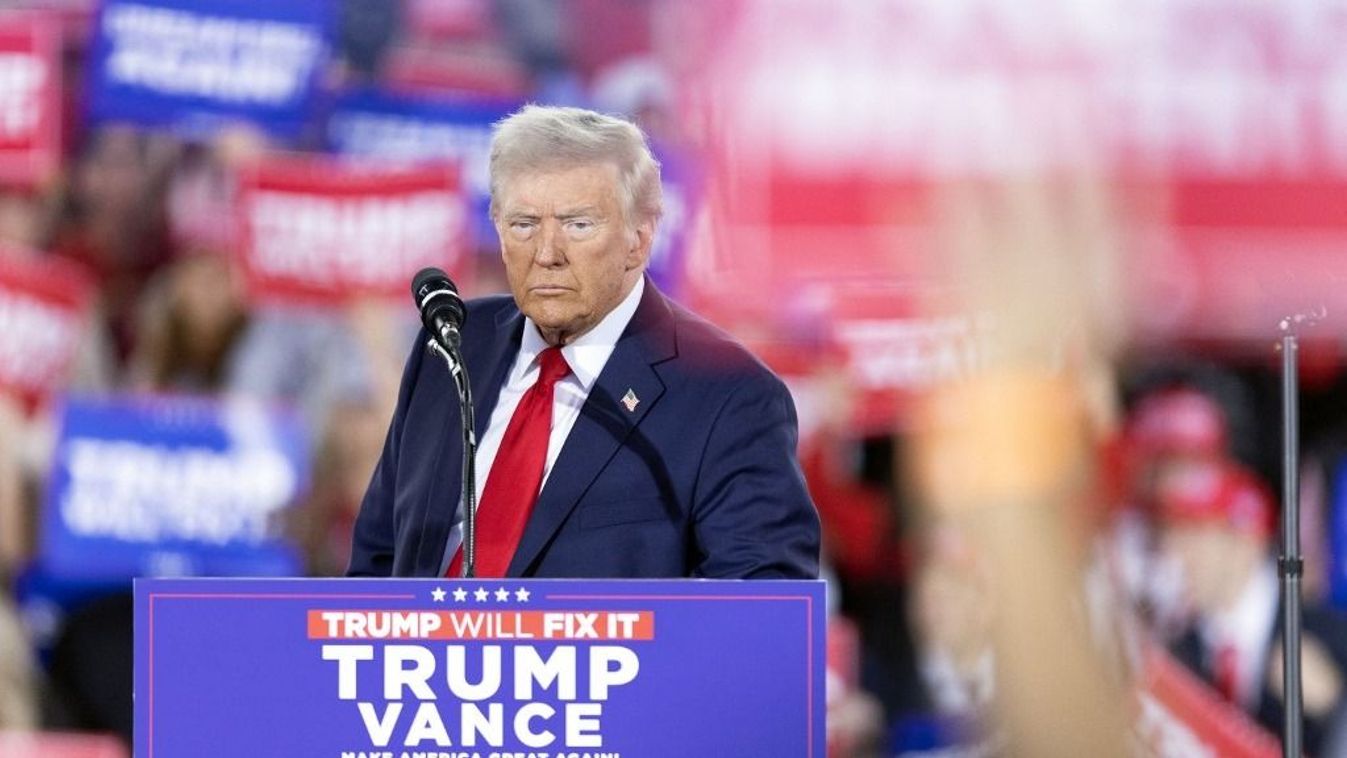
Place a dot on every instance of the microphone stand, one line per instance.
(1290, 564)
(458, 370)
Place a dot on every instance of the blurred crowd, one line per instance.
(1171, 549)
(148, 216)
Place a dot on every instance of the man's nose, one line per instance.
(551, 250)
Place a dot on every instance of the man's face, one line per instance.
(1217, 562)
(570, 254)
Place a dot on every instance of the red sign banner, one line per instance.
(30, 98)
(1181, 716)
(42, 312)
(318, 230)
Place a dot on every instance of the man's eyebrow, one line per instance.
(584, 210)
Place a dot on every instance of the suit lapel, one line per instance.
(488, 365)
(603, 424)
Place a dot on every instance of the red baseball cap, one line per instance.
(1180, 419)
(1217, 493)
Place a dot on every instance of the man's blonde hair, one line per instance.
(541, 138)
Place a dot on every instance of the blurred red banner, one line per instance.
(1237, 257)
(318, 230)
(43, 309)
(1209, 182)
(1181, 716)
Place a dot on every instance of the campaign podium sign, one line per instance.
(433, 668)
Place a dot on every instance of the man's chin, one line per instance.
(552, 324)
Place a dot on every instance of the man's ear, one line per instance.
(643, 236)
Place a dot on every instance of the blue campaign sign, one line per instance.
(192, 65)
(1337, 553)
(353, 668)
(371, 123)
(172, 486)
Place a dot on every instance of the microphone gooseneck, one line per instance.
(443, 314)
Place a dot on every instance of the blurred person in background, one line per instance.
(26, 424)
(950, 612)
(347, 452)
(852, 480)
(191, 319)
(18, 673)
(15, 513)
(191, 314)
(1170, 428)
(25, 218)
(366, 30)
(113, 221)
(1218, 522)
(90, 668)
(351, 437)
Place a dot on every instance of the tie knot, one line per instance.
(552, 366)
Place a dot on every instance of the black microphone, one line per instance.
(443, 314)
(442, 310)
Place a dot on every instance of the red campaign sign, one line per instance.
(42, 313)
(481, 70)
(891, 341)
(30, 98)
(894, 343)
(317, 230)
(1180, 716)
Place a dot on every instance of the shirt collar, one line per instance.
(589, 353)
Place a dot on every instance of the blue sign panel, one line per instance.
(192, 65)
(172, 486)
(1337, 554)
(352, 668)
(375, 124)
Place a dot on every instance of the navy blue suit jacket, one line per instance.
(700, 479)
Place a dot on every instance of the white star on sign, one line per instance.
(437, 594)
(460, 595)
(481, 594)
(522, 595)
(502, 595)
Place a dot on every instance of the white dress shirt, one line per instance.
(586, 356)
(1248, 626)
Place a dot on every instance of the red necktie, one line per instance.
(1226, 672)
(516, 474)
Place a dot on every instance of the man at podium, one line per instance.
(619, 434)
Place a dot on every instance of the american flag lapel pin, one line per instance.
(630, 401)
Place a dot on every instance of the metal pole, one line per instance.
(454, 360)
(1290, 563)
